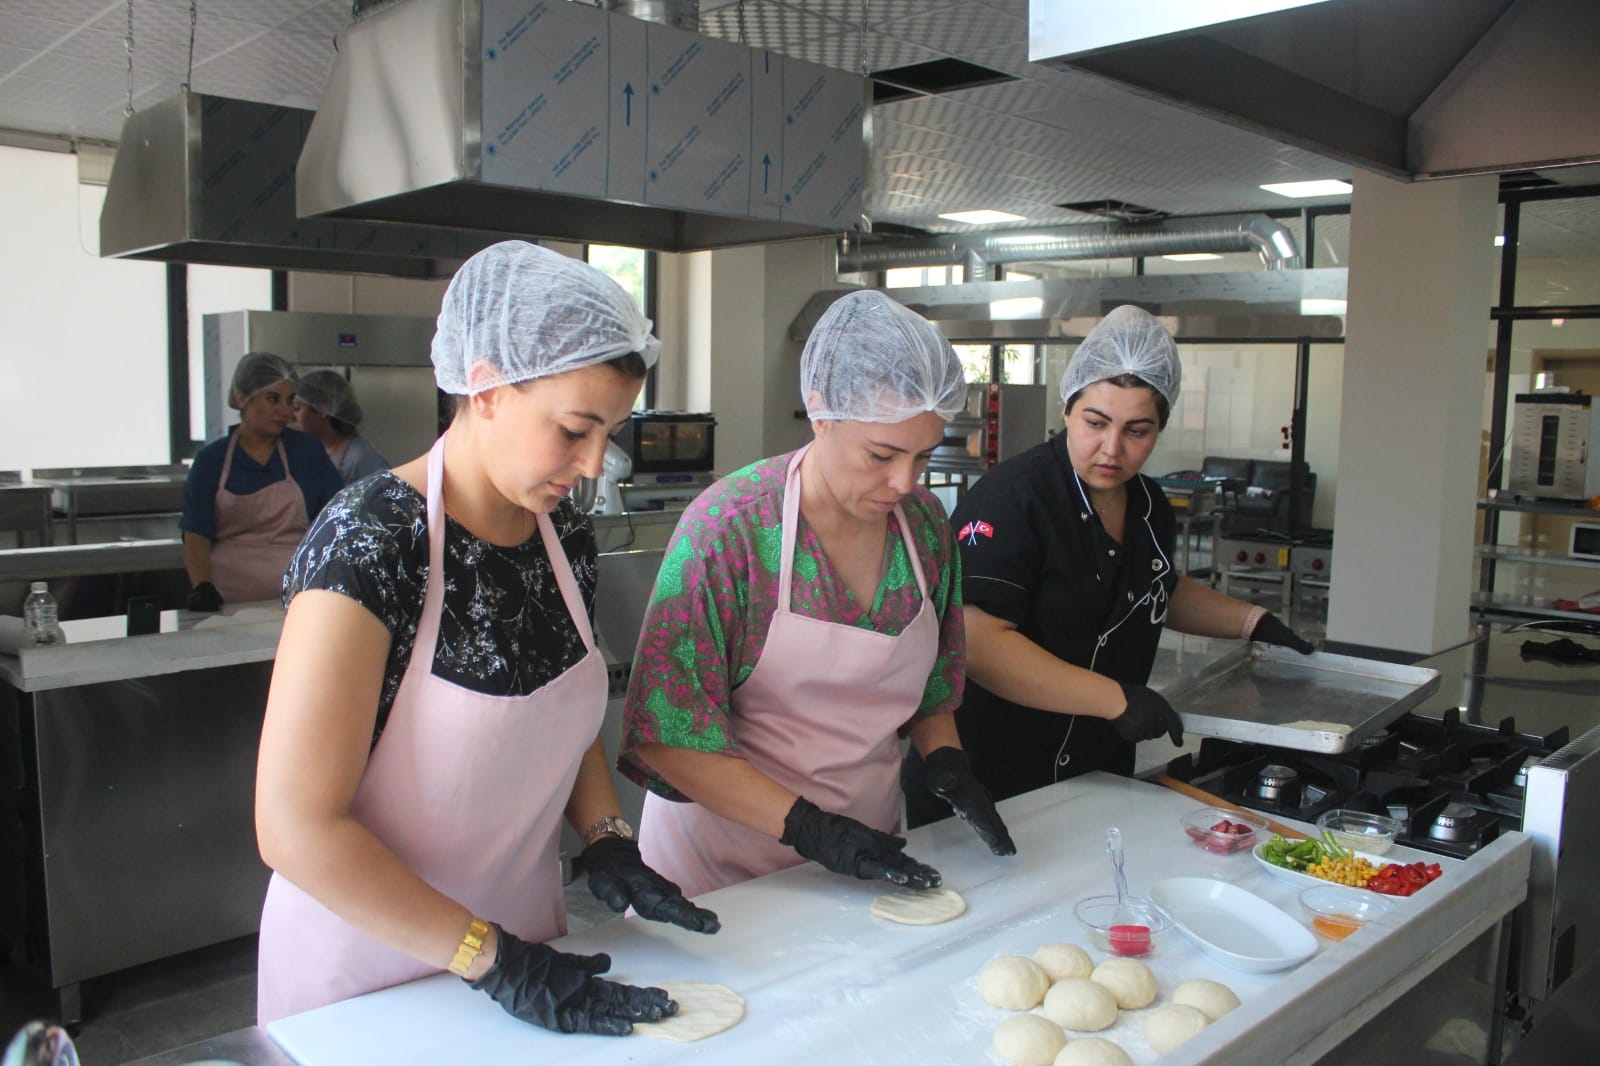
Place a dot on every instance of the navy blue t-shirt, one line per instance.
(313, 471)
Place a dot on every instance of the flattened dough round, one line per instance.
(1012, 982)
(1080, 1005)
(703, 1010)
(1211, 998)
(1028, 1040)
(1064, 960)
(1172, 1025)
(920, 906)
(1092, 1051)
(1129, 980)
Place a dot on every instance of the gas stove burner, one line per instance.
(1457, 822)
(1277, 784)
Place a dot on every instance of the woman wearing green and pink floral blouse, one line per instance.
(807, 612)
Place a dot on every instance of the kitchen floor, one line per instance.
(175, 1002)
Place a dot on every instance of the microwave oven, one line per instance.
(670, 442)
(1551, 437)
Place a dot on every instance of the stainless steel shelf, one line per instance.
(1509, 606)
(1532, 506)
(1534, 557)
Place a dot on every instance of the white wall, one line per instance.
(82, 339)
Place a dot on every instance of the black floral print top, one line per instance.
(504, 628)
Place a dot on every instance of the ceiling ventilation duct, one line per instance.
(1409, 88)
(1269, 239)
(560, 120)
(206, 179)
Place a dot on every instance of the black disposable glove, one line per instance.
(1269, 630)
(949, 776)
(1148, 716)
(558, 991)
(847, 847)
(619, 876)
(204, 597)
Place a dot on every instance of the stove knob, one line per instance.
(1316, 564)
(1261, 557)
(1242, 556)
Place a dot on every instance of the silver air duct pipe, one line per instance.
(684, 14)
(1266, 237)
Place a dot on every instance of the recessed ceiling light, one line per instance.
(1191, 257)
(1500, 240)
(1299, 189)
(982, 218)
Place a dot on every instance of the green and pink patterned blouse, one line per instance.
(716, 593)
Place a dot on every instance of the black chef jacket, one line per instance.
(1034, 553)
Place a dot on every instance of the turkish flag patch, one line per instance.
(973, 530)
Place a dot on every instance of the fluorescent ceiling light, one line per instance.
(1322, 307)
(982, 218)
(1018, 307)
(1299, 189)
(1192, 257)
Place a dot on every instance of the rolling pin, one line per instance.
(1209, 800)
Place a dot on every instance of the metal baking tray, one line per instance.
(1320, 702)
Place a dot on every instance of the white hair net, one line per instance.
(526, 312)
(1129, 340)
(329, 392)
(869, 359)
(257, 371)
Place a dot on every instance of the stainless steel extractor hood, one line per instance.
(1409, 88)
(562, 120)
(207, 179)
(1277, 305)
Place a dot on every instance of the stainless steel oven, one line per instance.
(677, 442)
(998, 422)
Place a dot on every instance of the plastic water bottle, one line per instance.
(39, 615)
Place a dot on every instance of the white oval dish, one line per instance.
(1237, 928)
(1300, 880)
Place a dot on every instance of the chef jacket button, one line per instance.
(1130, 597)
(1111, 551)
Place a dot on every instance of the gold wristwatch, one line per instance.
(610, 825)
(471, 946)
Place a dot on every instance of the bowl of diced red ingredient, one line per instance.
(1223, 831)
(1402, 879)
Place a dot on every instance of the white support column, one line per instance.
(1421, 278)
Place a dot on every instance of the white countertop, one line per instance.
(827, 982)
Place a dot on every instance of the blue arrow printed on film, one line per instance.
(627, 93)
(766, 170)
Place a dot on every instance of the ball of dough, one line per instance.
(1210, 997)
(1064, 960)
(1092, 1051)
(1079, 1004)
(1172, 1025)
(1028, 1040)
(1129, 980)
(1012, 982)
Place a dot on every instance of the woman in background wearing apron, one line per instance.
(807, 613)
(250, 495)
(437, 695)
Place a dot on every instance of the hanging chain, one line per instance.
(739, 11)
(127, 112)
(193, 15)
(862, 48)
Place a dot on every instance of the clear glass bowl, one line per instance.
(1360, 831)
(1139, 936)
(1335, 911)
(1204, 828)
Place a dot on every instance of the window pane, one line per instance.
(1019, 364)
(1558, 253)
(626, 265)
(975, 361)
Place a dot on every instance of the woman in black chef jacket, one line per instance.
(1067, 555)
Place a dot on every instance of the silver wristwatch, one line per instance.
(610, 825)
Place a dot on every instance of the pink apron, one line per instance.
(819, 714)
(466, 789)
(256, 534)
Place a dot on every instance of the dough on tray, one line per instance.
(1064, 960)
(1012, 982)
(1129, 980)
(1081, 1005)
(1172, 1025)
(703, 1010)
(1092, 1051)
(1212, 998)
(920, 906)
(1028, 1040)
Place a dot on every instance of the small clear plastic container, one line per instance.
(1335, 911)
(1133, 933)
(1360, 831)
(1224, 831)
